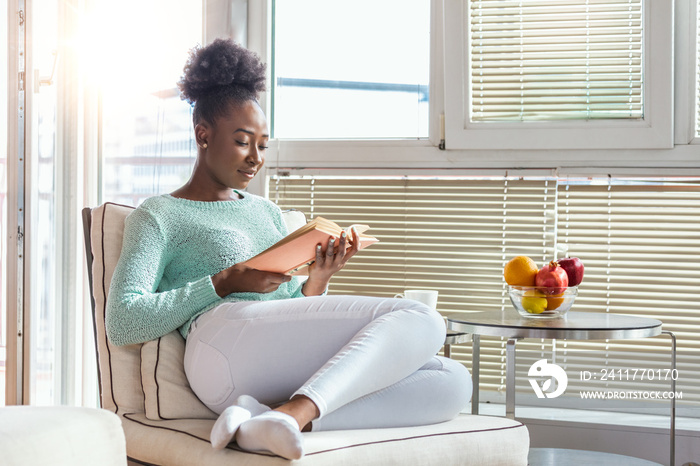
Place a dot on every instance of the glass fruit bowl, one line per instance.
(541, 302)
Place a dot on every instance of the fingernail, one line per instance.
(318, 247)
(343, 234)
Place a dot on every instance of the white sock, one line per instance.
(272, 431)
(251, 404)
(226, 426)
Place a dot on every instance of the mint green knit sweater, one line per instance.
(171, 249)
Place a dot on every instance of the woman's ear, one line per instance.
(201, 134)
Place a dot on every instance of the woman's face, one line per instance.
(235, 146)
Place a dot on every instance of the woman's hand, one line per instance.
(240, 278)
(330, 260)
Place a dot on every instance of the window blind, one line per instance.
(638, 241)
(556, 59)
(450, 236)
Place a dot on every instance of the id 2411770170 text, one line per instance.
(606, 374)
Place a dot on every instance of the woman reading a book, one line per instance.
(255, 338)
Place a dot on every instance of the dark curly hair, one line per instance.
(218, 75)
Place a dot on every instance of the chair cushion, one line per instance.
(166, 390)
(120, 366)
(293, 219)
(466, 440)
(147, 377)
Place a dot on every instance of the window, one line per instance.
(349, 71)
(529, 63)
(542, 74)
(61, 53)
(148, 146)
(40, 271)
(637, 237)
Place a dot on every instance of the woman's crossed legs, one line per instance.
(363, 362)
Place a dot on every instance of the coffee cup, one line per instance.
(427, 297)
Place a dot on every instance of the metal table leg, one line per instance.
(510, 377)
(673, 398)
(454, 337)
(475, 373)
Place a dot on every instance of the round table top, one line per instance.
(572, 326)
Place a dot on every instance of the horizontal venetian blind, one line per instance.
(555, 59)
(451, 235)
(639, 242)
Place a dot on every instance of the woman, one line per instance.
(256, 338)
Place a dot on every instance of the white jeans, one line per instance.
(365, 362)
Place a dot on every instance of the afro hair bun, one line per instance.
(220, 64)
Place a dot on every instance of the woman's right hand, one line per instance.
(241, 278)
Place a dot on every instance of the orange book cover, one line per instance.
(298, 249)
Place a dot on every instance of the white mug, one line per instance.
(427, 297)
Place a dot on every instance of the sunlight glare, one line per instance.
(134, 48)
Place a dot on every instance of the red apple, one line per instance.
(552, 279)
(574, 269)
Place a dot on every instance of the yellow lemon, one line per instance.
(533, 302)
(520, 271)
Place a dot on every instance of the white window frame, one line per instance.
(655, 130)
(685, 73)
(378, 153)
(424, 153)
(687, 19)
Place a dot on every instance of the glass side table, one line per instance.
(574, 326)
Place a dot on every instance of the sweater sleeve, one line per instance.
(136, 311)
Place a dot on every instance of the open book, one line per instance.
(298, 249)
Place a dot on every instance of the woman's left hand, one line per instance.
(330, 260)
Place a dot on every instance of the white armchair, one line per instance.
(166, 424)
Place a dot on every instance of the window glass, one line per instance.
(536, 60)
(351, 70)
(148, 146)
(540, 74)
(46, 322)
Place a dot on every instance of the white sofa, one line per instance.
(60, 436)
(166, 424)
